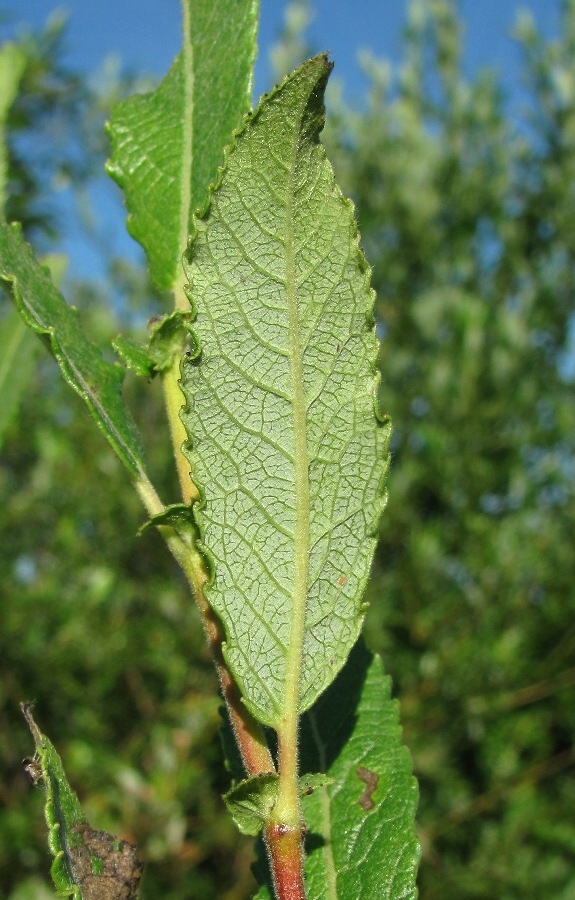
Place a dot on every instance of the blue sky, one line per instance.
(145, 34)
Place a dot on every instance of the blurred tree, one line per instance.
(467, 216)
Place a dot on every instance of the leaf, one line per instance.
(88, 864)
(251, 801)
(44, 310)
(18, 352)
(135, 356)
(361, 841)
(168, 144)
(284, 439)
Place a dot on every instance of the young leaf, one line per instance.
(88, 864)
(280, 404)
(44, 310)
(251, 801)
(168, 144)
(361, 841)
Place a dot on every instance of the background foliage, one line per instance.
(467, 216)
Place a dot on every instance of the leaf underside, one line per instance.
(361, 841)
(280, 413)
(43, 308)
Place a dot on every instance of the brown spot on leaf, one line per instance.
(342, 580)
(371, 781)
(105, 868)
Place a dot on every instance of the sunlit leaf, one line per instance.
(168, 144)
(284, 438)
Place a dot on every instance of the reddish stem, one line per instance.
(285, 851)
(249, 734)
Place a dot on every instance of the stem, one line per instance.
(249, 734)
(173, 399)
(285, 851)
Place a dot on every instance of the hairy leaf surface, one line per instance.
(361, 841)
(280, 413)
(44, 310)
(168, 144)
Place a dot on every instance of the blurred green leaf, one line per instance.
(46, 312)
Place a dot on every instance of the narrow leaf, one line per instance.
(88, 864)
(280, 413)
(44, 310)
(168, 144)
(361, 841)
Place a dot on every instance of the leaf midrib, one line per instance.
(181, 301)
(301, 461)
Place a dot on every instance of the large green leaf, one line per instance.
(44, 310)
(284, 439)
(361, 841)
(168, 144)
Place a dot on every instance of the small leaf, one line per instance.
(167, 144)
(44, 310)
(169, 338)
(88, 864)
(135, 356)
(284, 439)
(177, 516)
(310, 783)
(251, 801)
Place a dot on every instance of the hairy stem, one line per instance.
(285, 851)
(249, 734)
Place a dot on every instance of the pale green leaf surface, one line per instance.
(361, 841)
(44, 310)
(280, 404)
(167, 144)
(251, 801)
